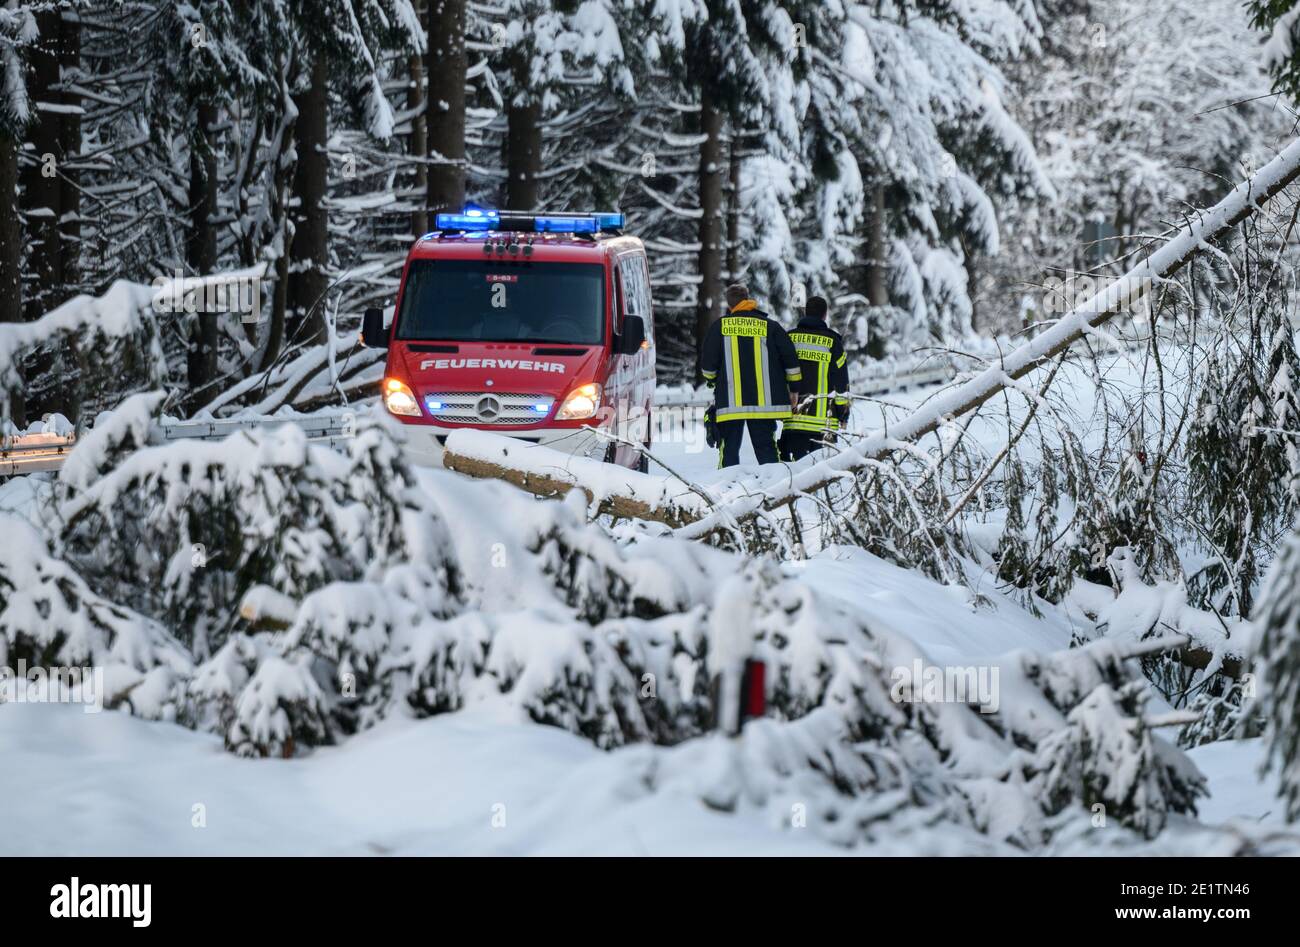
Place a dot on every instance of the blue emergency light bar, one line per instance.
(470, 220)
(564, 224)
(478, 220)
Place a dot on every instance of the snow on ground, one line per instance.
(941, 619)
(1237, 790)
(108, 783)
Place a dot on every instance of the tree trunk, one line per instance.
(11, 235)
(11, 257)
(70, 147)
(41, 188)
(674, 504)
(877, 258)
(875, 272)
(419, 143)
(445, 114)
(523, 155)
(279, 306)
(310, 251)
(70, 203)
(52, 202)
(201, 252)
(282, 182)
(733, 210)
(710, 188)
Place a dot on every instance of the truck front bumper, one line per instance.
(425, 442)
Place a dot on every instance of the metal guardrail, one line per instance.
(317, 427)
(23, 454)
(884, 384)
(30, 453)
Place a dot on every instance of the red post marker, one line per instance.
(753, 690)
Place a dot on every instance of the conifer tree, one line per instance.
(1278, 669)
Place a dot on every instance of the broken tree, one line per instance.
(745, 500)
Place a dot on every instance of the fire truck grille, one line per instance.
(487, 407)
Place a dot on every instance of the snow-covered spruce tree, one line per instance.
(639, 151)
(1225, 713)
(1064, 549)
(1013, 549)
(789, 177)
(928, 76)
(1277, 665)
(1281, 18)
(360, 651)
(199, 68)
(50, 618)
(549, 59)
(336, 53)
(1241, 455)
(1100, 751)
(895, 510)
(593, 577)
(233, 116)
(1047, 580)
(1078, 720)
(280, 708)
(356, 652)
(181, 531)
(732, 65)
(1108, 757)
(1138, 110)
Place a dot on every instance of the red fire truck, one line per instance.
(538, 326)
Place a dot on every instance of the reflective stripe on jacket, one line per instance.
(751, 364)
(825, 370)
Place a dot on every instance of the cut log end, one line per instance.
(554, 486)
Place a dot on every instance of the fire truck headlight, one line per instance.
(582, 402)
(399, 399)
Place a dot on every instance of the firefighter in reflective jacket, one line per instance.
(821, 405)
(750, 363)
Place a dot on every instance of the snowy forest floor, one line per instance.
(115, 784)
(487, 780)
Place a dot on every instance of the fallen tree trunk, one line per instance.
(1179, 647)
(612, 490)
(744, 500)
(1199, 659)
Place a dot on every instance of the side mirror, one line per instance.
(629, 342)
(373, 335)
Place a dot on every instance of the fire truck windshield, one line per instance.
(500, 301)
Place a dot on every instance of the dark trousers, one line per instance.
(762, 436)
(796, 444)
